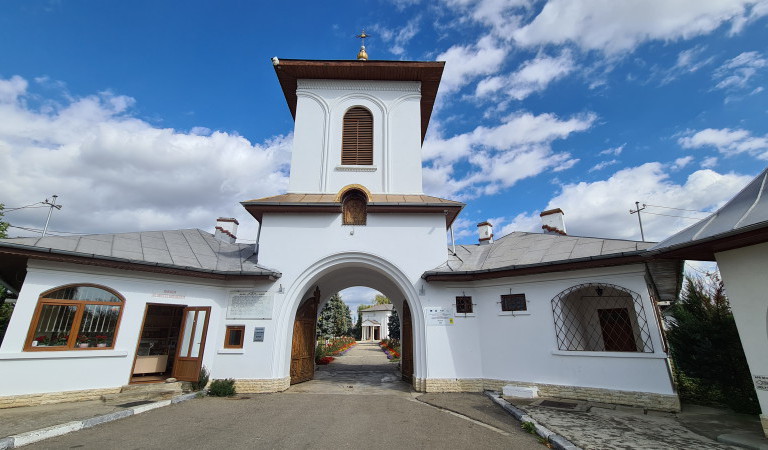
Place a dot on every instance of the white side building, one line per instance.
(375, 322)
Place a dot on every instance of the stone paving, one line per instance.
(611, 427)
(364, 369)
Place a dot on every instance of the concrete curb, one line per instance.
(550, 436)
(18, 440)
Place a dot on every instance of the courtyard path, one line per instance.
(365, 369)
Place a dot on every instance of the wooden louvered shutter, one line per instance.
(357, 138)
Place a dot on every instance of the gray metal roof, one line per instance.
(384, 307)
(748, 210)
(519, 249)
(190, 249)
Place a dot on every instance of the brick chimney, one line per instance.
(226, 229)
(485, 232)
(553, 221)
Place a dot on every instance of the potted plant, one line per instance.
(59, 340)
(101, 340)
(83, 341)
(40, 341)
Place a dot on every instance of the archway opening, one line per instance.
(380, 328)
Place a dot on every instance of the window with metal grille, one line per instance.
(357, 138)
(75, 317)
(601, 317)
(513, 302)
(354, 208)
(464, 304)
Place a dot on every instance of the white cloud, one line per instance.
(400, 37)
(602, 165)
(601, 208)
(614, 151)
(532, 76)
(727, 141)
(498, 156)
(114, 172)
(502, 16)
(709, 162)
(688, 61)
(737, 72)
(614, 27)
(463, 63)
(682, 162)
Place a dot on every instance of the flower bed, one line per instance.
(333, 347)
(325, 360)
(391, 347)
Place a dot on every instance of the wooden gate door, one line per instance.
(304, 340)
(406, 344)
(189, 351)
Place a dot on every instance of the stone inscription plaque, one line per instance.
(247, 304)
(438, 316)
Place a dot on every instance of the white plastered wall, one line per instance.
(57, 371)
(522, 346)
(316, 155)
(743, 271)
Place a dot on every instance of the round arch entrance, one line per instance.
(314, 286)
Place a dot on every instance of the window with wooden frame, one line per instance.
(354, 208)
(464, 304)
(513, 302)
(234, 336)
(75, 317)
(357, 138)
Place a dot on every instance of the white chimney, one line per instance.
(485, 232)
(553, 221)
(226, 229)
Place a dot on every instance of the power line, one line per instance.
(679, 209)
(670, 215)
(38, 230)
(33, 205)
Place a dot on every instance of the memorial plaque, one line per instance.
(258, 334)
(761, 382)
(247, 304)
(438, 316)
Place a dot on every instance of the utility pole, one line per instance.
(637, 205)
(51, 204)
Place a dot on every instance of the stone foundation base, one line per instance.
(419, 384)
(262, 386)
(48, 398)
(659, 402)
(764, 422)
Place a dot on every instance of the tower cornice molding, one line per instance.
(358, 85)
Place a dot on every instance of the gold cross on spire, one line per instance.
(362, 55)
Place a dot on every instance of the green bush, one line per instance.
(704, 343)
(320, 351)
(222, 388)
(202, 380)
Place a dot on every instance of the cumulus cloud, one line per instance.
(727, 141)
(498, 157)
(602, 165)
(737, 72)
(502, 16)
(682, 162)
(115, 172)
(467, 62)
(615, 27)
(532, 76)
(601, 208)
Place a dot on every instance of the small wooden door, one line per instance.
(406, 345)
(304, 340)
(189, 351)
(617, 330)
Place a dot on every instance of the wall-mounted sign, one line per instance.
(258, 334)
(168, 293)
(761, 382)
(438, 316)
(247, 304)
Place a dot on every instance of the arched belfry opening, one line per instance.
(357, 137)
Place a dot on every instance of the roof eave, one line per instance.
(705, 249)
(129, 264)
(614, 259)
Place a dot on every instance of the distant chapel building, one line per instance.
(571, 316)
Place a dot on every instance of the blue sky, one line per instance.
(169, 113)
